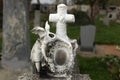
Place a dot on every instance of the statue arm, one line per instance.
(53, 17)
(75, 45)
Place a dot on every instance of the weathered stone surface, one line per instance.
(1, 9)
(44, 76)
(16, 47)
(6, 74)
(29, 76)
(81, 77)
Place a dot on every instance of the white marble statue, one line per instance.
(57, 51)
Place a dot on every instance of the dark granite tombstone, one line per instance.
(16, 47)
(87, 35)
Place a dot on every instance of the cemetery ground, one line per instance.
(107, 38)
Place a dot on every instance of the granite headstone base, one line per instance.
(29, 76)
(88, 49)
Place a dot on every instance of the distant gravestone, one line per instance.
(62, 1)
(38, 7)
(16, 47)
(106, 21)
(112, 15)
(102, 12)
(86, 9)
(70, 2)
(37, 18)
(119, 13)
(87, 34)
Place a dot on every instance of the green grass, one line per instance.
(33, 38)
(94, 68)
(107, 34)
(72, 31)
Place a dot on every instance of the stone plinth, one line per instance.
(27, 76)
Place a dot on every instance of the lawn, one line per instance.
(94, 68)
(107, 34)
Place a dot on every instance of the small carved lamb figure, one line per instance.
(38, 50)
